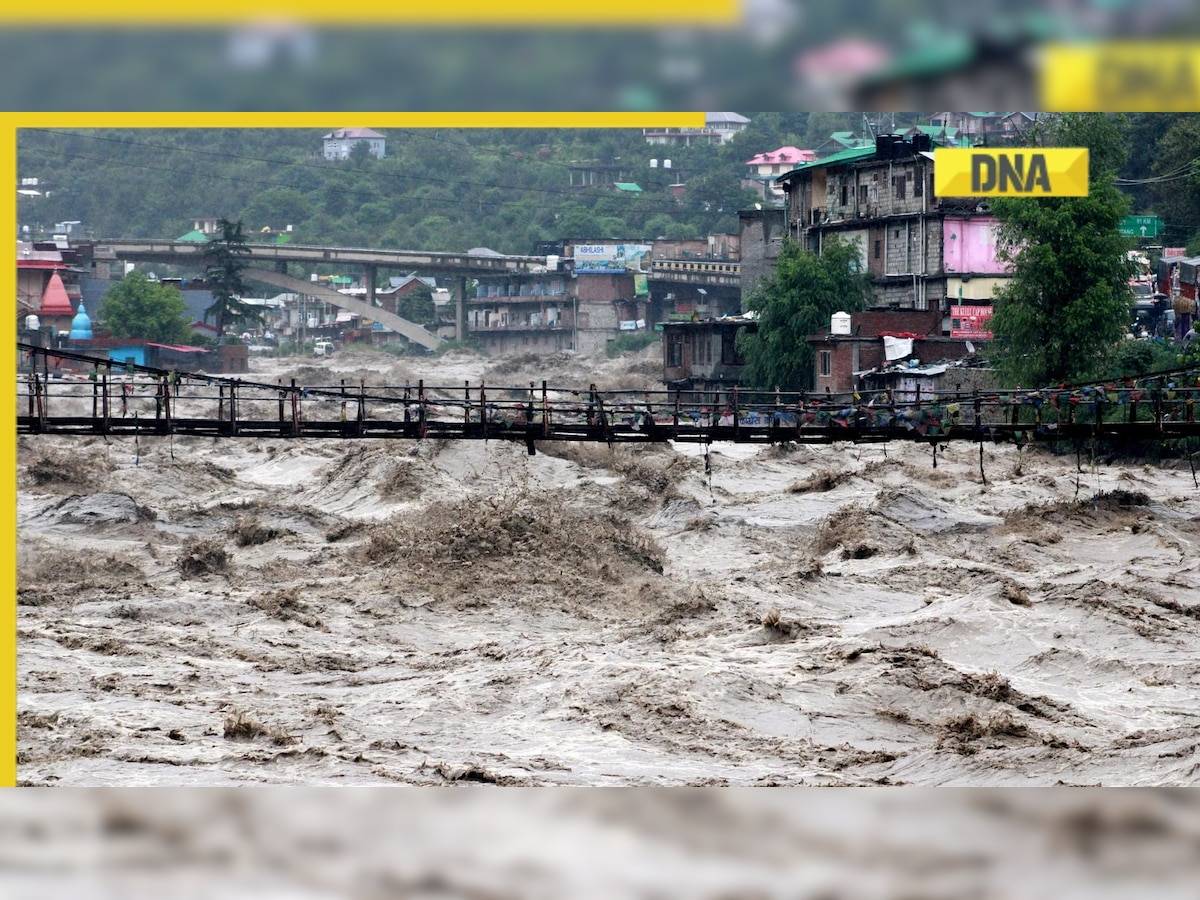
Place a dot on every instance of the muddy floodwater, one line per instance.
(218, 611)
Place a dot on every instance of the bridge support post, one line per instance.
(281, 266)
(370, 274)
(458, 289)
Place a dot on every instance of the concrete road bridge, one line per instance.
(183, 253)
(269, 264)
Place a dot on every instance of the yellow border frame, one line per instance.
(538, 13)
(10, 123)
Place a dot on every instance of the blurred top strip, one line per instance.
(448, 12)
(780, 55)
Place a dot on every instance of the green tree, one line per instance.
(224, 261)
(794, 302)
(1066, 307)
(277, 207)
(1177, 195)
(137, 307)
(417, 306)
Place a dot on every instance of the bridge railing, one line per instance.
(74, 393)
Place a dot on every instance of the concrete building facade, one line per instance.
(522, 314)
(719, 128)
(760, 237)
(341, 143)
(920, 251)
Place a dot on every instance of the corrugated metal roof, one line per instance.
(627, 186)
(947, 131)
(843, 156)
(731, 117)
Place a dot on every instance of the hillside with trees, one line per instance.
(435, 189)
(453, 189)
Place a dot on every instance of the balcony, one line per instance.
(519, 298)
(518, 328)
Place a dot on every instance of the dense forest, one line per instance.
(456, 189)
(435, 189)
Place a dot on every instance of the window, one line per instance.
(825, 363)
(918, 183)
(931, 195)
(899, 183)
(844, 194)
(729, 350)
(878, 248)
(862, 193)
(675, 351)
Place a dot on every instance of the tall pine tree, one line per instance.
(224, 261)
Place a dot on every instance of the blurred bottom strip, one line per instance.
(476, 842)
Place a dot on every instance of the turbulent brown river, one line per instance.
(203, 611)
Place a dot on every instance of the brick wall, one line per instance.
(937, 349)
(679, 249)
(877, 188)
(871, 322)
(761, 233)
(847, 356)
(859, 353)
(900, 292)
(604, 287)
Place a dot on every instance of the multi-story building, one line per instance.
(596, 290)
(763, 168)
(878, 199)
(933, 256)
(719, 128)
(760, 238)
(703, 355)
(526, 313)
(339, 144)
(1001, 126)
(919, 250)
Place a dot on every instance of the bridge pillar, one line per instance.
(370, 274)
(281, 266)
(458, 289)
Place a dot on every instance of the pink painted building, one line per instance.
(974, 273)
(969, 246)
(763, 168)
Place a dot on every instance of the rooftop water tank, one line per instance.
(839, 323)
(32, 323)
